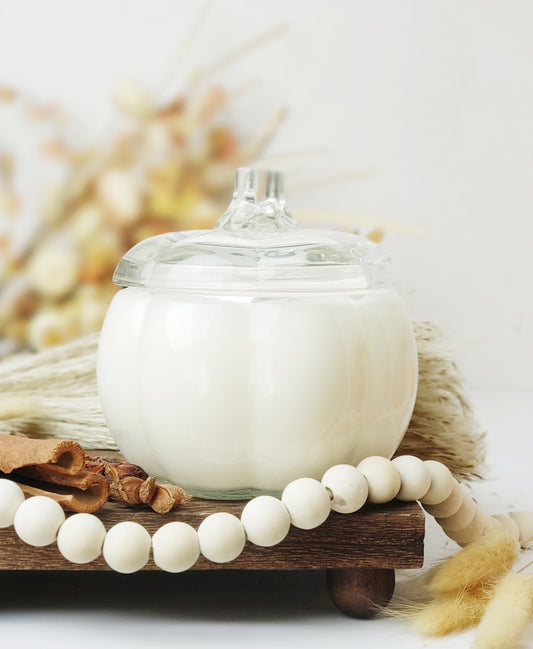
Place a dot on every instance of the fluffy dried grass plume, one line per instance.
(484, 560)
(442, 427)
(467, 584)
(507, 614)
(63, 379)
(447, 615)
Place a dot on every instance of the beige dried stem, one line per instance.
(442, 427)
(241, 51)
(64, 379)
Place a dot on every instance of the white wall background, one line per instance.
(436, 96)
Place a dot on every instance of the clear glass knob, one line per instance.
(258, 205)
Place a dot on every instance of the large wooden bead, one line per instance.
(221, 537)
(449, 506)
(348, 486)
(415, 477)
(472, 531)
(307, 501)
(266, 521)
(80, 538)
(383, 478)
(175, 546)
(524, 520)
(127, 547)
(462, 517)
(442, 483)
(11, 498)
(38, 520)
(508, 524)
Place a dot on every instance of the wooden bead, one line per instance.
(508, 524)
(415, 477)
(442, 483)
(11, 498)
(38, 520)
(221, 537)
(348, 486)
(127, 547)
(80, 538)
(383, 478)
(449, 506)
(307, 501)
(524, 520)
(175, 546)
(266, 521)
(472, 531)
(493, 525)
(462, 517)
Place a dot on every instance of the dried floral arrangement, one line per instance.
(170, 169)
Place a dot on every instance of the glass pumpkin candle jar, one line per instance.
(240, 358)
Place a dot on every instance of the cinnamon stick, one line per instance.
(53, 468)
(15, 452)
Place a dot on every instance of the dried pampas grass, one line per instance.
(457, 612)
(63, 379)
(476, 586)
(57, 389)
(442, 427)
(507, 614)
(484, 560)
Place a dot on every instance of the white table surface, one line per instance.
(278, 609)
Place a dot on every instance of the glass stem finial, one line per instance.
(258, 205)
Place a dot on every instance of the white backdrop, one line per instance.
(435, 96)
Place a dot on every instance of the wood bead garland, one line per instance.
(80, 538)
(508, 524)
(415, 477)
(176, 547)
(265, 520)
(384, 481)
(348, 486)
(127, 547)
(307, 501)
(442, 483)
(450, 505)
(221, 537)
(38, 520)
(11, 498)
(524, 520)
(462, 517)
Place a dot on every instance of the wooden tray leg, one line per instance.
(360, 592)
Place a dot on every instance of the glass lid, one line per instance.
(256, 246)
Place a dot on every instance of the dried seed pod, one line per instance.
(130, 484)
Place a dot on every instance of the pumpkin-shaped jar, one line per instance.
(240, 358)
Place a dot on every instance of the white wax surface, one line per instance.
(232, 393)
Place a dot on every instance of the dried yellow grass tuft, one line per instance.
(486, 559)
(17, 405)
(507, 614)
(454, 613)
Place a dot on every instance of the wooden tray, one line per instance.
(359, 551)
